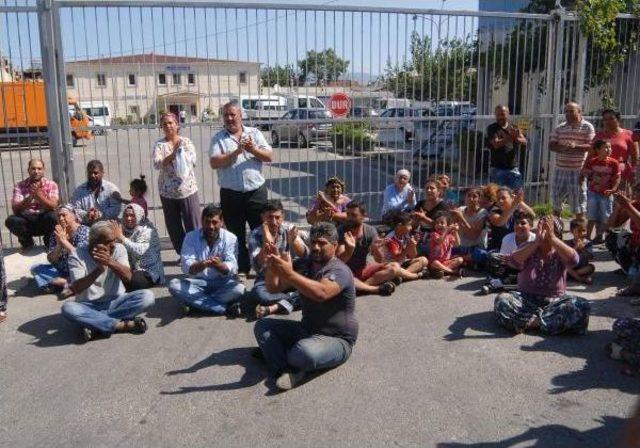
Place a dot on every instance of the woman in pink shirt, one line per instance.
(623, 148)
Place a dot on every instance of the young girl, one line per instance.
(472, 219)
(400, 246)
(137, 190)
(441, 243)
(501, 221)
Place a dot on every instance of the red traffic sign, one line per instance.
(340, 104)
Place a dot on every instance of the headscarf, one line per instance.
(138, 213)
(70, 209)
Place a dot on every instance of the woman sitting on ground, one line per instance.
(624, 245)
(399, 195)
(142, 242)
(68, 235)
(329, 205)
(541, 302)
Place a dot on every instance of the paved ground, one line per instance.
(430, 368)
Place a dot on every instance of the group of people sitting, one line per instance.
(104, 253)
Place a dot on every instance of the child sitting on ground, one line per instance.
(583, 271)
(603, 177)
(441, 243)
(137, 190)
(402, 247)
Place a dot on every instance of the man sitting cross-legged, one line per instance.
(208, 257)
(329, 327)
(359, 239)
(283, 236)
(97, 273)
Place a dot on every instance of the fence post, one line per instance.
(581, 67)
(58, 128)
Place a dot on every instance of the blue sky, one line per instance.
(368, 41)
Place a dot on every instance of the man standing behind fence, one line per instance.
(237, 152)
(570, 141)
(505, 142)
(33, 202)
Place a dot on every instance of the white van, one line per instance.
(261, 107)
(99, 113)
(303, 102)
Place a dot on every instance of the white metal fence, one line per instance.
(435, 76)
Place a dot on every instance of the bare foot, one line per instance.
(262, 311)
(3, 316)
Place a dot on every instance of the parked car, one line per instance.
(400, 113)
(302, 133)
(362, 112)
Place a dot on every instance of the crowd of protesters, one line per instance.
(104, 254)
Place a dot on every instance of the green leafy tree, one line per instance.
(322, 67)
(446, 72)
(284, 75)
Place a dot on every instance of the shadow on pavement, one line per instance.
(254, 373)
(599, 371)
(484, 322)
(166, 308)
(556, 436)
(51, 331)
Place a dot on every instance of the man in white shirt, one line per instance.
(97, 272)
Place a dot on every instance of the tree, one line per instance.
(322, 67)
(279, 74)
(444, 73)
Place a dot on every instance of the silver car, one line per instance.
(302, 133)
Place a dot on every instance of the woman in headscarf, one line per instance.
(140, 238)
(175, 157)
(67, 236)
(399, 195)
(329, 205)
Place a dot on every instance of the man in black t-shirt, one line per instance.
(357, 240)
(505, 141)
(329, 328)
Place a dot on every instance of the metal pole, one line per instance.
(581, 66)
(58, 127)
(558, 68)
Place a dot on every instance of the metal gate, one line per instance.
(423, 84)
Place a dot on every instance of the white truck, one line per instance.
(99, 113)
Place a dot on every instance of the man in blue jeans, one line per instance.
(97, 273)
(505, 142)
(329, 327)
(209, 257)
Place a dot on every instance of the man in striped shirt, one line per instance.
(570, 141)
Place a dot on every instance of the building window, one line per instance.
(177, 79)
(131, 79)
(101, 79)
(162, 79)
(242, 77)
(70, 81)
(191, 79)
(194, 110)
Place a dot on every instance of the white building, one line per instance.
(140, 86)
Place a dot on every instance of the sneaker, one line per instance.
(233, 310)
(87, 334)
(397, 281)
(486, 289)
(598, 240)
(289, 380)
(435, 273)
(386, 289)
(186, 309)
(26, 243)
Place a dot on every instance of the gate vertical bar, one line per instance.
(58, 126)
(581, 66)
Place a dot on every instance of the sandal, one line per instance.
(264, 311)
(139, 325)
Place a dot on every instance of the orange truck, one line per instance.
(23, 109)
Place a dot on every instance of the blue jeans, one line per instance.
(287, 300)
(211, 296)
(43, 273)
(599, 207)
(509, 178)
(103, 315)
(288, 346)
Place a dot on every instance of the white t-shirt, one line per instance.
(509, 245)
(108, 285)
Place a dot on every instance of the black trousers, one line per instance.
(25, 227)
(238, 209)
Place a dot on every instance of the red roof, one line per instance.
(151, 58)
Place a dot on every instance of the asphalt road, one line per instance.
(430, 368)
